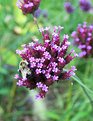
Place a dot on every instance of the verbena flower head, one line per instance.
(68, 7)
(83, 38)
(44, 63)
(85, 5)
(28, 6)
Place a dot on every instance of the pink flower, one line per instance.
(39, 85)
(28, 6)
(47, 61)
(83, 38)
(16, 76)
(38, 71)
(45, 88)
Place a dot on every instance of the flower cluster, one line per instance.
(83, 38)
(68, 7)
(85, 5)
(46, 61)
(28, 6)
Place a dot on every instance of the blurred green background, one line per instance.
(65, 101)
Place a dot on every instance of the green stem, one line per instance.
(87, 69)
(11, 98)
(85, 89)
(89, 98)
(80, 82)
(36, 22)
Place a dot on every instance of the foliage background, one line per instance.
(65, 101)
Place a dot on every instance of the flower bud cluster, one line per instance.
(46, 61)
(28, 6)
(68, 7)
(83, 38)
(85, 5)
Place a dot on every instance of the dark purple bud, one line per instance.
(68, 7)
(85, 5)
(37, 13)
(28, 6)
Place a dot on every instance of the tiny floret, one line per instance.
(16, 76)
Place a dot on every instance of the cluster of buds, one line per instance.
(83, 38)
(68, 7)
(28, 6)
(45, 62)
(85, 5)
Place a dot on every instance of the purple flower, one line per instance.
(47, 75)
(68, 7)
(39, 12)
(20, 83)
(39, 85)
(38, 97)
(38, 71)
(46, 65)
(28, 6)
(45, 88)
(55, 78)
(85, 5)
(83, 38)
(16, 76)
(33, 64)
(45, 13)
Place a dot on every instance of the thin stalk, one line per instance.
(88, 67)
(87, 70)
(11, 98)
(81, 83)
(89, 98)
(85, 89)
(36, 22)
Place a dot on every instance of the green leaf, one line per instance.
(79, 116)
(52, 115)
(4, 91)
(81, 83)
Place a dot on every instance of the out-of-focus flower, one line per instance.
(83, 38)
(68, 7)
(37, 13)
(41, 12)
(44, 63)
(45, 13)
(85, 5)
(28, 6)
